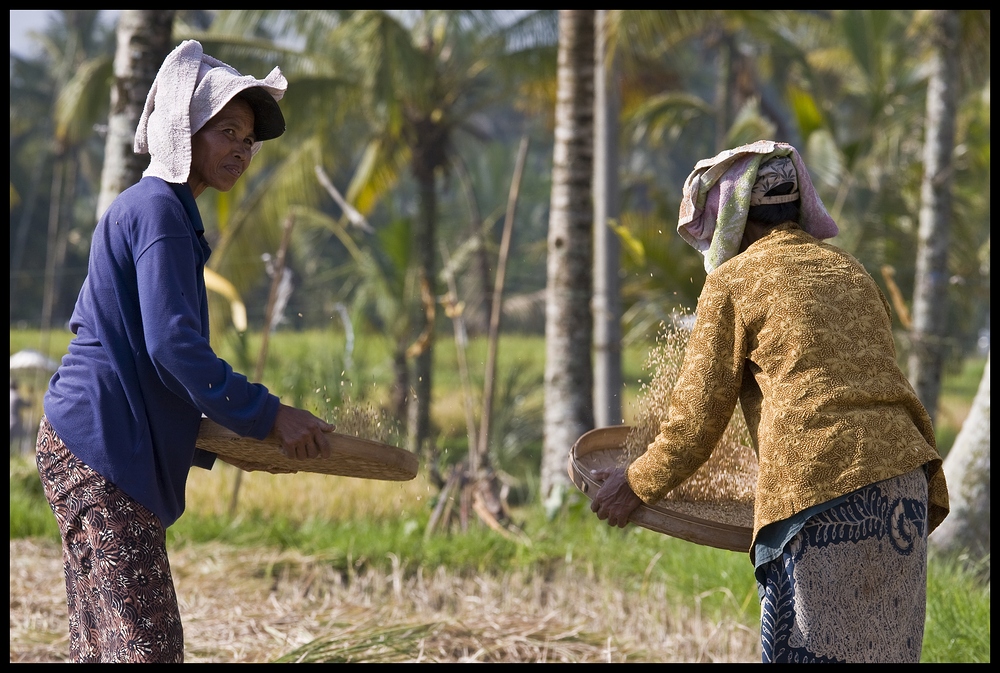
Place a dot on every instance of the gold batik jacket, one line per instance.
(800, 334)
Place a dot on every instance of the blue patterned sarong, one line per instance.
(851, 585)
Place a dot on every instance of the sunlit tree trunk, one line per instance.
(608, 380)
(931, 283)
(143, 40)
(568, 324)
(967, 471)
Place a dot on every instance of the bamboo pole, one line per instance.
(489, 376)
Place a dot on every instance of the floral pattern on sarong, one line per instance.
(119, 591)
(851, 585)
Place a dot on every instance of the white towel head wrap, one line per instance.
(719, 192)
(190, 88)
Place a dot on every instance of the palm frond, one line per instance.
(381, 165)
(665, 115)
(84, 100)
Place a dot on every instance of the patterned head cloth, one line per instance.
(190, 88)
(774, 172)
(719, 192)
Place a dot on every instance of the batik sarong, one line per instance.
(851, 585)
(119, 591)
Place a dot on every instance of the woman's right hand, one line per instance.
(300, 434)
(615, 500)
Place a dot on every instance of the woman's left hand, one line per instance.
(615, 500)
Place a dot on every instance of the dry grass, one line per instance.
(255, 605)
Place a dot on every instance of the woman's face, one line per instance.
(220, 150)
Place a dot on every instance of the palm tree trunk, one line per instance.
(723, 88)
(608, 381)
(143, 40)
(419, 424)
(931, 282)
(568, 323)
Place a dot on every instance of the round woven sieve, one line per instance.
(351, 456)
(725, 520)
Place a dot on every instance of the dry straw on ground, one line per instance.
(257, 605)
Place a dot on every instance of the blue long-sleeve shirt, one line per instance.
(129, 395)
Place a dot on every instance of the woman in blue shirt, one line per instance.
(123, 410)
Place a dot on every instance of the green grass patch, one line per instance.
(958, 612)
(30, 515)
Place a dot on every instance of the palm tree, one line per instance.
(568, 323)
(640, 31)
(429, 79)
(82, 66)
(405, 84)
(960, 46)
(865, 156)
(670, 119)
(30, 155)
(144, 40)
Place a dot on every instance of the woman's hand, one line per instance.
(300, 434)
(614, 501)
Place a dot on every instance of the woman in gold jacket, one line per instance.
(850, 480)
